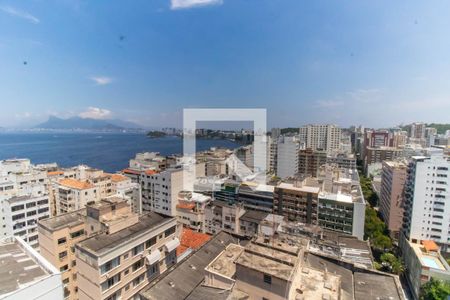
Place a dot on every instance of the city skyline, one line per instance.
(376, 64)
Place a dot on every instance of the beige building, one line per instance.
(297, 201)
(191, 210)
(57, 239)
(393, 179)
(74, 194)
(106, 250)
(128, 253)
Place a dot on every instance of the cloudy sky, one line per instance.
(377, 63)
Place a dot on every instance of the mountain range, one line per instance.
(55, 123)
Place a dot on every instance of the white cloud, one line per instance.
(329, 103)
(95, 113)
(365, 95)
(183, 4)
(101, 80)
(20, 14)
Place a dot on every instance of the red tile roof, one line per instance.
(191, 239)
(129, 171)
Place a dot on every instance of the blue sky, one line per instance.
(376, 63)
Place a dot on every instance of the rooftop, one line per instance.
(429, 258)
(19, 267)
(254, 216)
(75, 184)
(70, 219)
(191, 240)
(307, 189)
(223, 264)
(103, 242)
(375, 287)
(339, 197)
(118, 178)
(180, 281)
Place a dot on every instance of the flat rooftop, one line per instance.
(65, 220)
(180, 281)
(254, 216)
(307, 189)
(262, 262)
(429, 259)
(339, 197)
(375, 287)
(102, 243)
(317, 285)
(223, 264)
(17, 267)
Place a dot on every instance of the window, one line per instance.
(64, 268)
(31, 204)
(267, 279)
(77, 233)
(170, 231)
(17, 207)
(109, 265)
(138, 280)
(42, 202)
(62, 241)
(18, 217)
(137, 265)
(62, 255)
(150, 242)
(110, 282)
(138, 249)
(41, 210)
(31, 213)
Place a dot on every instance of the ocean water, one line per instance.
(108, 151)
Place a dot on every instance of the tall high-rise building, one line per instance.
(393, 178)
(287, 156)
(321, 137)
(427, 193)
(417, 130)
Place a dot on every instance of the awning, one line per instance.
(172, 245)
(153, 257)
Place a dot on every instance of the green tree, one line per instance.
(395, 264)
(435, 290)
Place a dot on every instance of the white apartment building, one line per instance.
(160, 191)
(24, 199)
(148, 161)
(287, 156)
(321, 137)
(123, 187)
(427, 194)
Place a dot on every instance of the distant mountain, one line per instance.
(56, 123)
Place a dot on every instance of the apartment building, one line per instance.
(221, 215)
(160, 191)
(393, 179)
(121, 261)
(25, 274)
(310, 160)
(57, 239)
(321, 137)
(297, 201)
(190, 210)
(423, 261)
(287, 156)
(426, 199)
(24, 199)
(148, 161)
(74, 194)
(341, 204)
(379, 154)
(122, 186)
(105, 244)
(257, 197)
